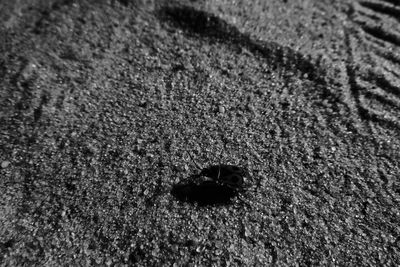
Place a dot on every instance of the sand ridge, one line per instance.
(101, 100)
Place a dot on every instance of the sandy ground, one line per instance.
(101, 101)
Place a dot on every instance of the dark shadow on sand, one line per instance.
(205, 193)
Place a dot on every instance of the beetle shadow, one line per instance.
(206, 193)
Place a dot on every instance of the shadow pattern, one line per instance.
(373, 48)
(206, 25)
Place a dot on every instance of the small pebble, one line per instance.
(5, 164)
(28, 71)
(251, 108)
(218, 252)
(221, 109)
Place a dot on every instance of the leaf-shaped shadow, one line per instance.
(206, 25)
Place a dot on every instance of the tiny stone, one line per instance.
(5, 164)
(189, 66)
(218, 252)
(260, 92)
(28, 70)
(186, 167)
(250, 108)
(221, 109)
(92, 148)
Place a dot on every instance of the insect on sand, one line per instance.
(222, 183)
(224, 174)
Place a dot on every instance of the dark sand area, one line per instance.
(101, 103)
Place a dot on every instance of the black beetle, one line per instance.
(225, 182)
(229, 175)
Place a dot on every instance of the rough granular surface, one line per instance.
(101, 103)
